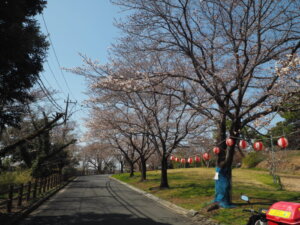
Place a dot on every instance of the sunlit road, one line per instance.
(95, 200)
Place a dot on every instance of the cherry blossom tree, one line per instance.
(120, 160)
(168, 123)
(134, 133)
(103, 125)
(98, 156)
(141, 113)
(241, 53)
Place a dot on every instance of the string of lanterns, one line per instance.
(282, 142)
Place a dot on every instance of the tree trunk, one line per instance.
(223, 170)
(223, 187)
(143, 169)
(221, 140)
(131, 170)
(122, 167)
(164, 173)
(223, 184)
(139, 163)
(99, 168)
(25, 155)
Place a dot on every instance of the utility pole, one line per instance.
(67, 107)
(66, 114)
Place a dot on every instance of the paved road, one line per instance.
(97, 200)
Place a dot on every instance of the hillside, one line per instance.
(287, 166)
(287, 162)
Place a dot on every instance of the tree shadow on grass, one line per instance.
(254, 203)
(194, 185)
(191, 188)
(293, 199)
(90, 219)
(268, 201)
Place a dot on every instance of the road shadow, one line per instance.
(90, 219)
(77, 181)
(86, 187)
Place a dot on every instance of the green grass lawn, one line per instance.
(193, 188)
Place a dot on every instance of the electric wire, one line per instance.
(56, 57)
(49, 85)
(46, 89)
(56, 81)
(44, 77)
(48, 95)
(49, 98)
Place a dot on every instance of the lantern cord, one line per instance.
(237, 138)
(267, 137)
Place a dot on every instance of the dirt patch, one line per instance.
(291, 183)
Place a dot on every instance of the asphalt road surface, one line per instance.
(98, 200)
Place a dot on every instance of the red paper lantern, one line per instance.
(229, 142)
(190, 160)
(206, 156)
(177, 159)
(216, 150)
(258, 146)
(243, 144)
(182, 160)
(282, 142)
(172, 158)
(197, 159)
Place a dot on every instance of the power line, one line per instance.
(51, 43)
(48, 95)
(56, 81)
(44, 77)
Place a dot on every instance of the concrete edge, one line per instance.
(23, 214)
(167, 204)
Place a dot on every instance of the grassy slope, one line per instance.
(194, 188)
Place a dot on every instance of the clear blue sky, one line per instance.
(84, 26)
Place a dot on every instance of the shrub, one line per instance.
(16, 177)
(69, 172)
(252, 159)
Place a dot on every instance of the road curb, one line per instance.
(23, 214)
(163, 202)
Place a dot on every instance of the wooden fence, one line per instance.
(16, 196)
